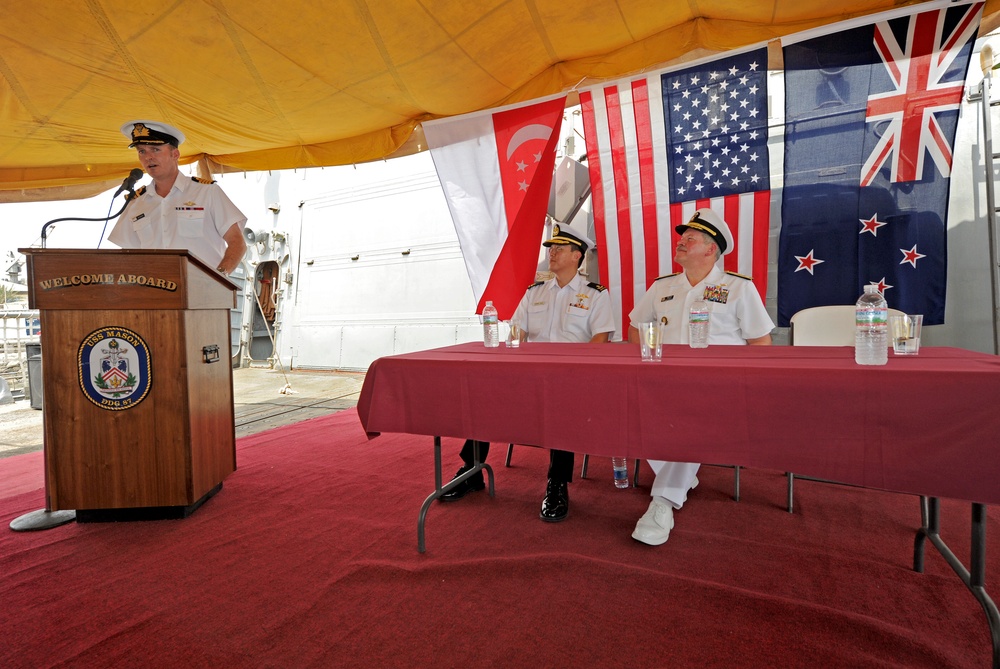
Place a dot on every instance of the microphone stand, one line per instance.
(45, 227)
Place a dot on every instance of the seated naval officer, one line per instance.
(565, 308)
(178, 212)
(738, 317)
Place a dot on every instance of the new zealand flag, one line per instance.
(870, 119)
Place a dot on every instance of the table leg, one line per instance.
(974, 577)
(439, 489)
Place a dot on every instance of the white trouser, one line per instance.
(673, 480)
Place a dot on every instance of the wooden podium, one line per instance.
(137, 378)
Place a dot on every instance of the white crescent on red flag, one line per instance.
(495, 168)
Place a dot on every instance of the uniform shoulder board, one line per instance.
(666, 276)
(596, 286)
(535, 284)
(137, 194)
(202, 181)
(742, 276)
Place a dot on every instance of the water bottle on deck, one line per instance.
(621, 472)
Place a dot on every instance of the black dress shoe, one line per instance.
(555, 506)
(471, 484)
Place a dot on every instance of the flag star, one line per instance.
(882, 285)
(724, 107)
(744, 125)
(697, 167)
(538, 157)
(754, 178)
(695, 79)
(724, 129)
(725, 151)
(871, 225)
(754, 134)
(678, 149)
(808, 262)
(735, 93)
(706, 154)
(696, 145)
(698, 187)
(687, 158)
(521, 166)
(686, 94)
(705, 90)
(713, 75)
(716, 162)
(678, 128)
(680, 169)
(687, 137)
(522, 185)
(753, 156)
(706, 132)
(744, 103)
(689, 178)
(736, 160)
(695, 102)
(715, 119)
(736, 181)
(676, 85)
(911, 256)
(753, 66)
(717, 184)
(723, 85)
(686, 116)
(743, 80)
(733, 71)
(677, 107)
(744, 147)
(681, 191)
(753, 113)
(725, 172)
(706, 110)
(745, 169)
(696, 125)
(753, 89)
(734, 116)
(714, 97)
(715, 141)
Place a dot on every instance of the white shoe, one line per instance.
(655, 525)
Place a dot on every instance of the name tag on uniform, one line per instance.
(666, 298)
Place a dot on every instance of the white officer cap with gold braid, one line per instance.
(152, 132)
(567, 234)
(707, 221)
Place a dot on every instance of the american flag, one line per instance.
(665, 144)
(870, 119)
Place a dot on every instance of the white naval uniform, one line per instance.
(574, 313)
(738, 314)
(193, 216)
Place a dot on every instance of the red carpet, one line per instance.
(308, 558)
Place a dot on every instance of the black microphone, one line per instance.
(129, 183)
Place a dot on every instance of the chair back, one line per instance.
(826, 326)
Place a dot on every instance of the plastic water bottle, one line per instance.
(871, 336)
(621, 472)
(491, 326)
(698, 323)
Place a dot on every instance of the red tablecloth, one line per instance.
(925, 424)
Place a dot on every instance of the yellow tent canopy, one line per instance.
(260, 85)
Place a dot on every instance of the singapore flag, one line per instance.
(496, 170)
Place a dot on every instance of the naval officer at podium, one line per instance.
(177, 212)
